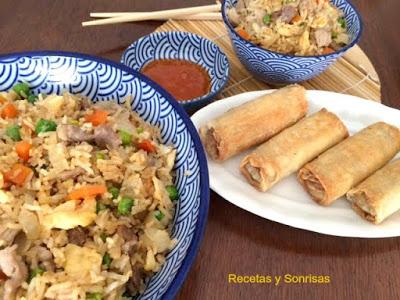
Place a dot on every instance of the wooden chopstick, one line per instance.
(172, 13)
(199, 16)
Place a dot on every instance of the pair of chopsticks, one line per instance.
(207, 12)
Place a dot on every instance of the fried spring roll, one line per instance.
(378, 196)
(289, 150)
(336, 171)
(253, 122)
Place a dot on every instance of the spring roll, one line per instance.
(253, 122)
(378, 196)
(336, 171)
(289, 150)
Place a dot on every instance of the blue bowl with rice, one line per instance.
(50, 72)
(277, 68)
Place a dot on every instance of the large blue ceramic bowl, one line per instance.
(104, 80)
(277, 68)
(183, 46)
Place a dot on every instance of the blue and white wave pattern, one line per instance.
(180, 45)
(102, 82)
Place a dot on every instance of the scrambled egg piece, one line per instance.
(81, 261)
(71, 214)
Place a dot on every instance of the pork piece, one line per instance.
(288, 13)
(77, 236)
(7, 235)
(105, 137)
(233, 16)
(12, 265)
(129, 236)
(72, 133)
(323, 37)
(68, 174)
(134, 283)
(45, 258)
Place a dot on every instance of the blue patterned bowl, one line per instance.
(277, 68)
(104, 80)
(184, 46)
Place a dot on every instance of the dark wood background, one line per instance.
(237, 241)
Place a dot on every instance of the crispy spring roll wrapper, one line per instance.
(336, 171)
(378, 196)
(253, 122)
(289, 150)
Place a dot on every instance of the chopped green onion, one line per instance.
(126, 137)
(32, 98)
(159, 215)
(94, 296)
(107, 260)
(22, 89)
(139, 130)
(172, 192)
(342, 22)
(267, 19)
(100, 207)
(35, 272)
(103, 237)
(45, 125)
(303, 23)
(13, 132)
(125, 206)
(100, 155)
(73, 122)
(114, 191)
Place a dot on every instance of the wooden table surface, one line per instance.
(236, 241)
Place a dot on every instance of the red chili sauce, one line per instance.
(183, 79)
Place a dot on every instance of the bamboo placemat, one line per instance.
(353, 73)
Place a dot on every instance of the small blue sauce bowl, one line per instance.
(182, 46)
(277, 68)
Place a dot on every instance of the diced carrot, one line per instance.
(243, 34)
(296, 19)
(327, 50)
(2, 100)
(97, 118)
(18, 174)
(147, 146)
(87, 191)
(9, 111)
(23, 149)
(3, 277)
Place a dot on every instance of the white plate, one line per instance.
(287, 202)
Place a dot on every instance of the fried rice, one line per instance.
(296, 27)
(86, 198)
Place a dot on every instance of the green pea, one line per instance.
(159, 215)
(32, 98)
(267, 19)
(114, 191)
(45, 125)
(35, 272)
(139, 130)
(100, 155)
(342, 22)
(13, 132)
(126, 137)
(172, 192)
(125, 206)
(107, 260)
(22, 89)
(94, 296)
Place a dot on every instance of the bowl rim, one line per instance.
(198, 235)
(173, 32)
(339, 52)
